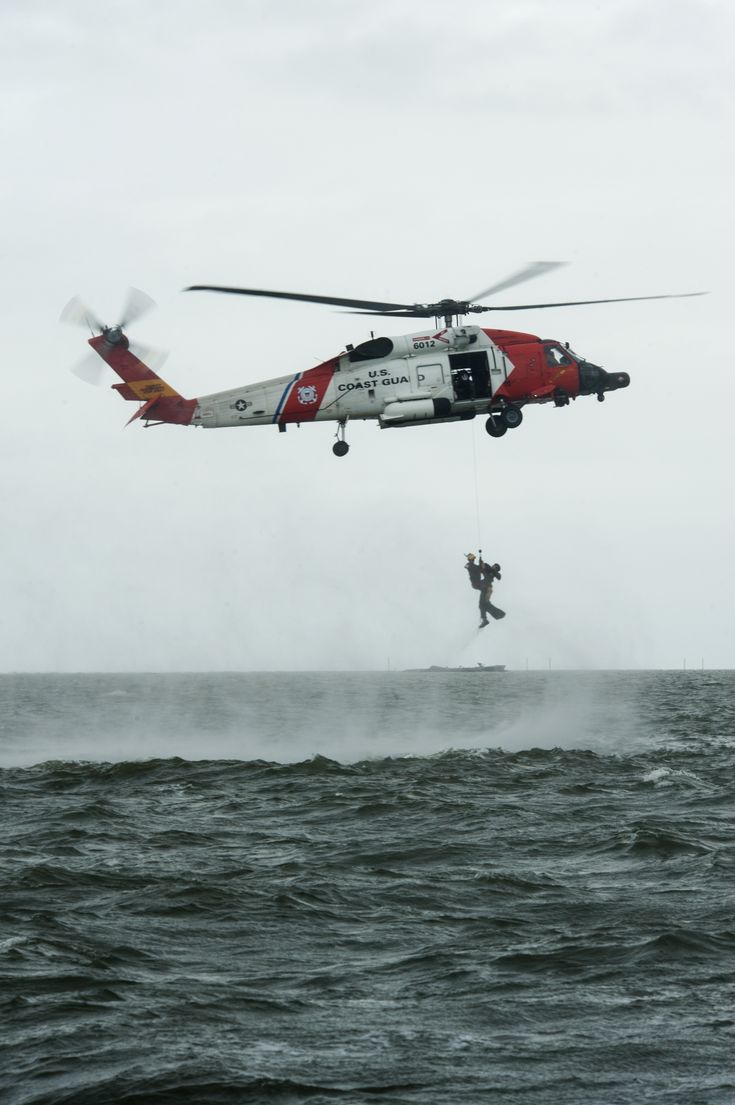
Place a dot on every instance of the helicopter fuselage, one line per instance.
(429, 377)
(433, 376)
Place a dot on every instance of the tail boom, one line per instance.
(140, 384)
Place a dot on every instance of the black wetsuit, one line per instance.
(489, 575)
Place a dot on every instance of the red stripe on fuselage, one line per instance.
(307, 394)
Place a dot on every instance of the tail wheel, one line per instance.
(495, 427)
(512, 416)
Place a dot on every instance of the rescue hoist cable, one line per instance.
(477, 490)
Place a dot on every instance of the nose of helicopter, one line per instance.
(616, 380)
(593, 379)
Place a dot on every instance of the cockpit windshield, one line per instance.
(559, 356)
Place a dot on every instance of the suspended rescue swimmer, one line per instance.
(482, 576)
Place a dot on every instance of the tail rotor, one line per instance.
(91, 368)
(77, 313)
(137, 304)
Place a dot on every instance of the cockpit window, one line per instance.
(558, 357)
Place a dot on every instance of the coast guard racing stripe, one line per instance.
(306, 394)
(286, 390)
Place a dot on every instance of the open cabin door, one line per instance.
(470, 375)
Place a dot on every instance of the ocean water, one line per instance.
(368, 888)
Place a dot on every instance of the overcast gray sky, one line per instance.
(388, 150)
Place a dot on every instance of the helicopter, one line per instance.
(442, 373)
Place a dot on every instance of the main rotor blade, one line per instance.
(77, 313)
(422, 312)
(334, 301)
(137, 304)
(584, 302)
(530, 272)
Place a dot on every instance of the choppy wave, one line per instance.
(462, 906)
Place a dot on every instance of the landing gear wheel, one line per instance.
(512, 416)
(495, 427)
(340, 447)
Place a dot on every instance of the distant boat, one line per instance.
(477, 667)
